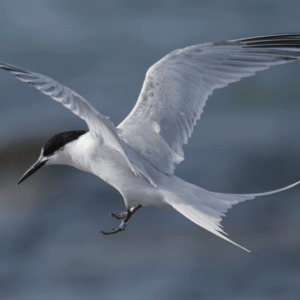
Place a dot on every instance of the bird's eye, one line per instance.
(61, 148)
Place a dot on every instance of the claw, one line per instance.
(120, 216)
(114, 231)
(125, 216)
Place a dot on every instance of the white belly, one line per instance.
(110, 166)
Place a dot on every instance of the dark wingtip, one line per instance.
(12, 68)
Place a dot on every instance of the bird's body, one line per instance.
(88, 154)
(138, 157)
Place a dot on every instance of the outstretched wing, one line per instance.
(99, 125)
(176, 88)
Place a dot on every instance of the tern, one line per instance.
(138, 157)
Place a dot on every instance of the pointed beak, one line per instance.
(32, 170)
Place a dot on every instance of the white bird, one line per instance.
(138, 157)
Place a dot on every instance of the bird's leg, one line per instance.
(123, 215)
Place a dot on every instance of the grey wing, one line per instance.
(176, 88)
(100, 127)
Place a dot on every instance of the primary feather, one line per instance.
(176, 88)
(100, 126)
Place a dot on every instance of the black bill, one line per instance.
(32, 170)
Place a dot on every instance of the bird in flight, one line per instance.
(138, 157)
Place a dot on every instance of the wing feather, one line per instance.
(99, 125)
(176, 88)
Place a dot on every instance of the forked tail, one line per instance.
(206, 208)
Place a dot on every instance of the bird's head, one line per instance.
(55, 151)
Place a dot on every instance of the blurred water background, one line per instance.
(246, 141)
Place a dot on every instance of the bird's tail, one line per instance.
(206, 208)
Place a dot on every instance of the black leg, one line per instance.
(123, 215)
